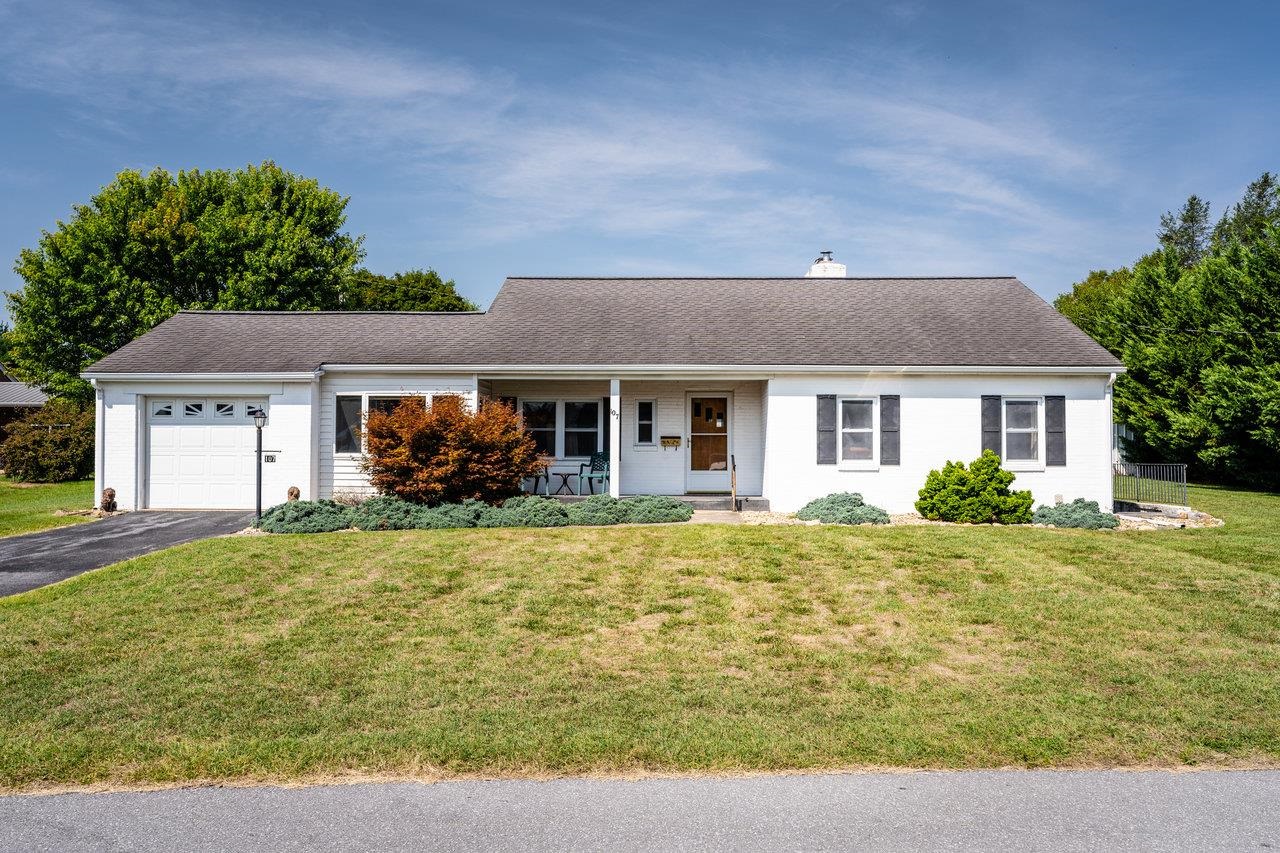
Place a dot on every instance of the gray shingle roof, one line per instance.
(648, 321)
(20, 394)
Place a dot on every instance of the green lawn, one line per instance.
(673, 648)
(26, 507)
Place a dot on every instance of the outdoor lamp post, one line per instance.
(259, 421)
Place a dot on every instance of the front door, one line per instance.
(710, 443)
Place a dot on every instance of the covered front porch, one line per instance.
(703, 439)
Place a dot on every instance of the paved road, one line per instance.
(37, 559)
(990, 810)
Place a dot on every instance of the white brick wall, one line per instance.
(940, 422)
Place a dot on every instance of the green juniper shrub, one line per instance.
(53, 444)
(655, 509)
(978, 494)
(843, 508)
(1078, 513)
(525, 511)
(598, 510)
(449, 516)
(305, 517)
(385, 513)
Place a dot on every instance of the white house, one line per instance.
(780, 389)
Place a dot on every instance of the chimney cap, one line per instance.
(825, 266)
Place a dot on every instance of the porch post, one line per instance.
(615, 436)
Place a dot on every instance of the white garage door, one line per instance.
(201, 452)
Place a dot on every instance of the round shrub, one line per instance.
(1078, 513)
(53, 444)
(449, 516)
(655, 509)
(385, 513)
(978, 494)
(525, 511)
(598, 510)
(842, 508)
(305, 517)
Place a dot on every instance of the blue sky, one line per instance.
(491, 139)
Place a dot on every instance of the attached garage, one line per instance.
(201, 452)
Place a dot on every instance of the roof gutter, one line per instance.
(582, 370)
(293, 376)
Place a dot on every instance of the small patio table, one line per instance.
(564, 487)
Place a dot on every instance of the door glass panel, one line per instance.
(709, 434)
(709, 452)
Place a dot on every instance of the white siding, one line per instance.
(288, 433)
(940, 421)
(120, 436)
(339, 472)
(659, 470)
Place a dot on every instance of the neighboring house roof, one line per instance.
(647, 321)
(20, 395)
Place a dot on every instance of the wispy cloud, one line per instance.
(761, 157)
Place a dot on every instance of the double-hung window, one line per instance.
(858, 431)
(349, 413)
(644, 423)
(581, 427)
(540, 422)
(1023, 425)
(347, 416)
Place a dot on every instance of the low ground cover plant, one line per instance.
(525, 511)
(305, 517)
(391, 513)
(978, 494)
(1078, 513)
(842, 508)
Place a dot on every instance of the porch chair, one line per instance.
(596, 469)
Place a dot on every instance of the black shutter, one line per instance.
(826, 429)
(991, 423)
(889, 422)
(607, 412)
(1055, 430)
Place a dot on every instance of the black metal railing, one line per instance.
(1150, 482)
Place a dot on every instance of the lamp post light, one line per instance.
(259, 421)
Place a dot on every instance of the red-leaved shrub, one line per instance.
(446, 453)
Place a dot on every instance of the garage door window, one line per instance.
(193, 409)
(161, 409)
(224, 410)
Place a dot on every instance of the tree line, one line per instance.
(1197, 324)
(149, 245)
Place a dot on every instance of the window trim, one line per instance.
(872, 464)
(652, 422)
(561, 426)
(556, 446)
(562, 422)
(427, 397)
(1036, 464)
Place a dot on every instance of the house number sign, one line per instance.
(670, 441)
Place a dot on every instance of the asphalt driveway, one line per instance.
(984, 810)
(38, 559)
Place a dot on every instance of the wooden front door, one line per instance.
(710, 442)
